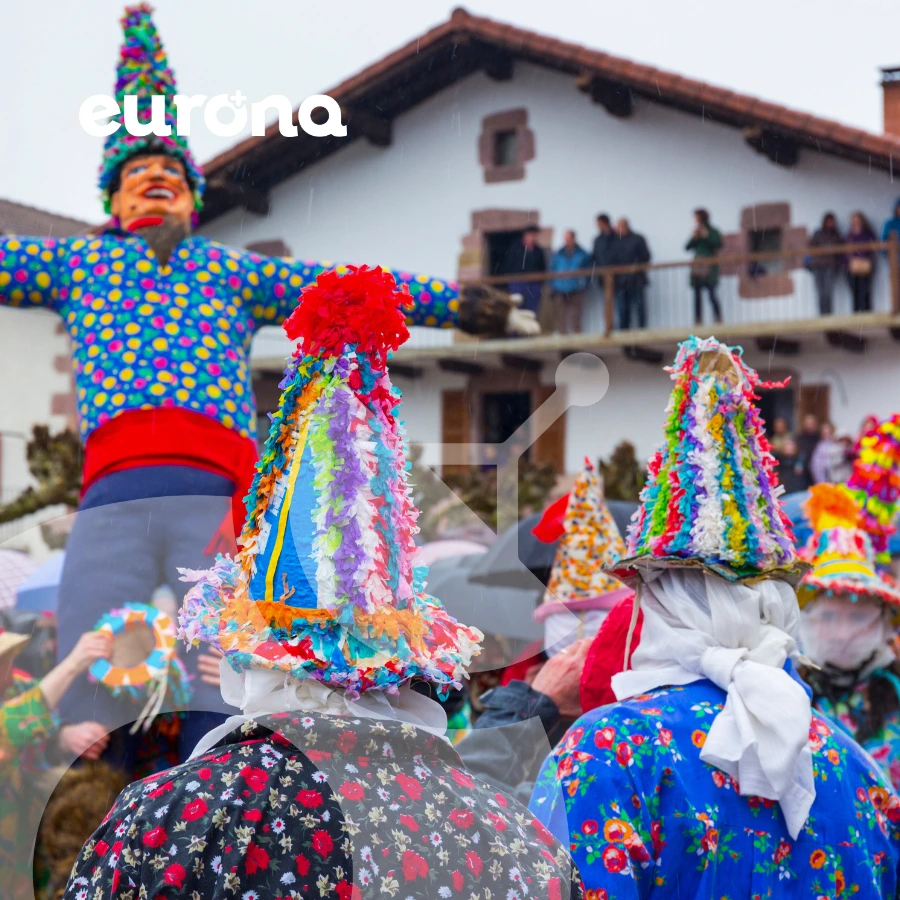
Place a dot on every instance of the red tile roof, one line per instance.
(17, 218)
(380, 83)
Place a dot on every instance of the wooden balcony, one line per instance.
(766, 298)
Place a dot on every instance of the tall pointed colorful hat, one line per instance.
(590, 538)
(712, 494)
(875, 485)
(324, 585)
(840, 552)
(143, 70)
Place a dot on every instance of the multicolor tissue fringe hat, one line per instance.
(840, 552)
(324, 586)
(875, 485)
(143, 69)
(712, 495)
(590, 538)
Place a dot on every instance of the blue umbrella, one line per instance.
(793, 506)
(38, 592)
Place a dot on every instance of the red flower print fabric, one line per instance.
(321, 807)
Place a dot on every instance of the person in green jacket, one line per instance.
(706, 240)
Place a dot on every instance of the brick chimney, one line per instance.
(890, 87)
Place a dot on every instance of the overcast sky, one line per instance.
(816, 55)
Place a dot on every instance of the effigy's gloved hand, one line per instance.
(489, 312)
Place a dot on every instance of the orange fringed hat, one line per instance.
(841, 553)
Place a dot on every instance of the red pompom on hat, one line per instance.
(362, 307)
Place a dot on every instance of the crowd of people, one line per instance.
(617, 245)
(815, 454)
(715, 710)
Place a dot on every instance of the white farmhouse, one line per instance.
(462, 137)
(474, 130)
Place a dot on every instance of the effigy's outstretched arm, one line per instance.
(28, 270)
(478, 310)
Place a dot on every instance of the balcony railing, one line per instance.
(753, 288)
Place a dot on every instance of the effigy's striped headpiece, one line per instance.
(143, 70)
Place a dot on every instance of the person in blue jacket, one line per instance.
(892, 225)
(568, 293)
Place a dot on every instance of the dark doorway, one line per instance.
(499, 244)
(778, 404)
(502, 414)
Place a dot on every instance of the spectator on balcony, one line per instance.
(891, 228)
(892, 225)
(525, 257)
(791, 469)
(630, 248)
(705, 241)
(826, 267)
(604, 243)
(568, 293)
(861, 263)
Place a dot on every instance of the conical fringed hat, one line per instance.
(590, 538)
(712, 495)
(143, 70)
(324, 586)
(840, 552)
(875, 485)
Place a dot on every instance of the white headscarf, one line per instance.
(262, 692)
(739, 636)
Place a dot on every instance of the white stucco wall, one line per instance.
(28, 345)
(634, 406)
(408, 206)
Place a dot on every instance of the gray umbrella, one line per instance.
(517, 559)
(495, 609)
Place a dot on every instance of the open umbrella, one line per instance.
(430, 553)
(15, 567)
(504, 611)
(517, 557)
(39, 590)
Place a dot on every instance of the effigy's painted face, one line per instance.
(152, 186)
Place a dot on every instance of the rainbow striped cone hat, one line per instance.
(590, 538)
(143, 70)
(712, 495)
(324, 585)
(840, 552)
(875, 485)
